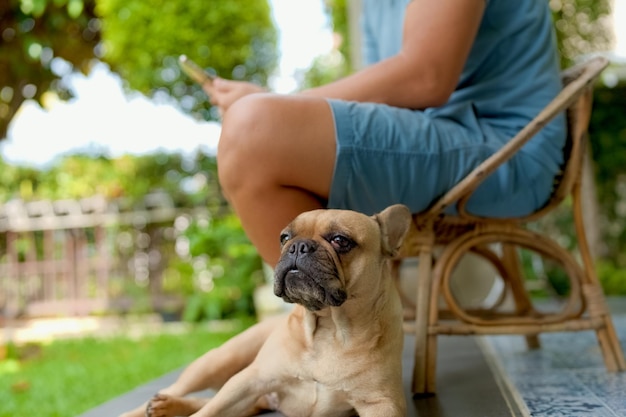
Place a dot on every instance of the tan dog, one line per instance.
(339, 351)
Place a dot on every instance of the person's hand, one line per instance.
(224, 93)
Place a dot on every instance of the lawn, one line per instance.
(68, 377)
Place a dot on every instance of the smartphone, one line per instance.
(194, 71)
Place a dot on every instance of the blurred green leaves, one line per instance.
(582, 27)
(190, 180)
(37, 8)
(34, 36)
(225, 270)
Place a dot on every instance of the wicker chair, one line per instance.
(584, 308)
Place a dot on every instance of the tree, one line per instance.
(34, 34)
(42, 40)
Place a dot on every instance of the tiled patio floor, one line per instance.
(566, 377)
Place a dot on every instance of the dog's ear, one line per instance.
(394, 222)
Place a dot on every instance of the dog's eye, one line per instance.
(341, 243)
(284, 237)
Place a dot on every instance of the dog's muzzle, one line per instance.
(306, 274)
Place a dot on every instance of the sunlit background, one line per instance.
(90, 244)
(102, 118)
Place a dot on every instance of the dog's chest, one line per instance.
(308, 398)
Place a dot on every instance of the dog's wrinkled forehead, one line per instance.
(320, 222)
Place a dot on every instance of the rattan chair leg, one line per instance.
(614, 346)
(431, 363)
(607, 337)
(592, 291)
(523, 304)
(422, 355)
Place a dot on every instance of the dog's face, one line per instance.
(326, 255)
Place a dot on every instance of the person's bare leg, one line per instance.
(214, 368)
(275, 159)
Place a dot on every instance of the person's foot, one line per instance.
(163, 405)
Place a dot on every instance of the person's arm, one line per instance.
(437, 39)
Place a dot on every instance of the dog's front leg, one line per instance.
(239, 397)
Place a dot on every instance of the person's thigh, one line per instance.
(283, 140)
(387, 155)
(275, 160)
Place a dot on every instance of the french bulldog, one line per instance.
(338, 352)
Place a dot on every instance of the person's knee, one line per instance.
(245, 129)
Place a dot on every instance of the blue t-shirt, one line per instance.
(511, 73)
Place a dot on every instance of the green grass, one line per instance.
(68, 377)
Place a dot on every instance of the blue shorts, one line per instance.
(388, 155)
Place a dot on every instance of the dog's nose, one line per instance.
(303, 247)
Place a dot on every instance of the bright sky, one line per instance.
(102, 117)
(619, 14)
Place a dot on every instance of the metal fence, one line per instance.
(75, 257)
